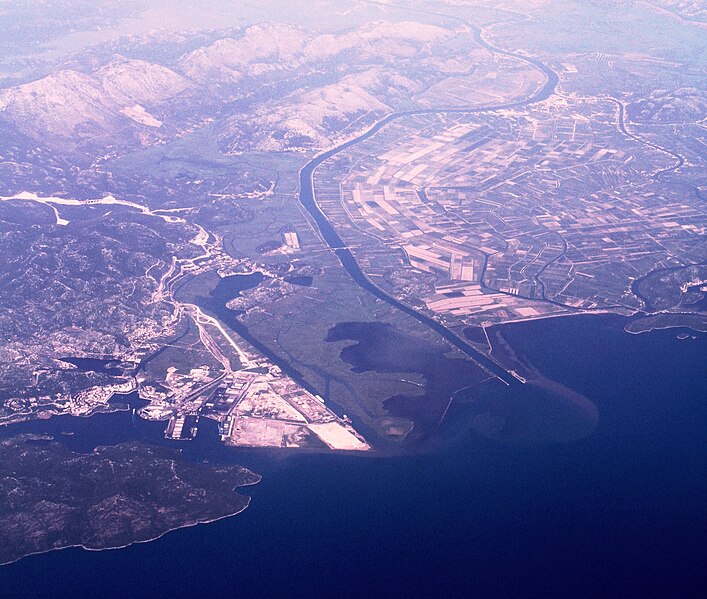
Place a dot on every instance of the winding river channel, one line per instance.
(307, 198)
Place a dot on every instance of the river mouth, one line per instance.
(536, 413)
(626, 501)
(332, 238)
(383, 348)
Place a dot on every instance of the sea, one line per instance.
(620, 512)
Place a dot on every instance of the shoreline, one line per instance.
(99, 409)
(549, 316)
(151, 539)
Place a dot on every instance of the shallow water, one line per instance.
(618, 512)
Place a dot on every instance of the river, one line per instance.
(618, 513)
(307, 199)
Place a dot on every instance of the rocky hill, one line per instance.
(69, 106)
(275, 87)
(686, 104)
(280, 47)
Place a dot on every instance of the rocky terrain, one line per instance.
(687, 9)
(686, 104)
(115, 496)
(278, 87)
(75, 289)
(69, 107)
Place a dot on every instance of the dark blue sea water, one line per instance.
(620, 513)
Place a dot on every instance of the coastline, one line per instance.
(248, 500)
(101, 408)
